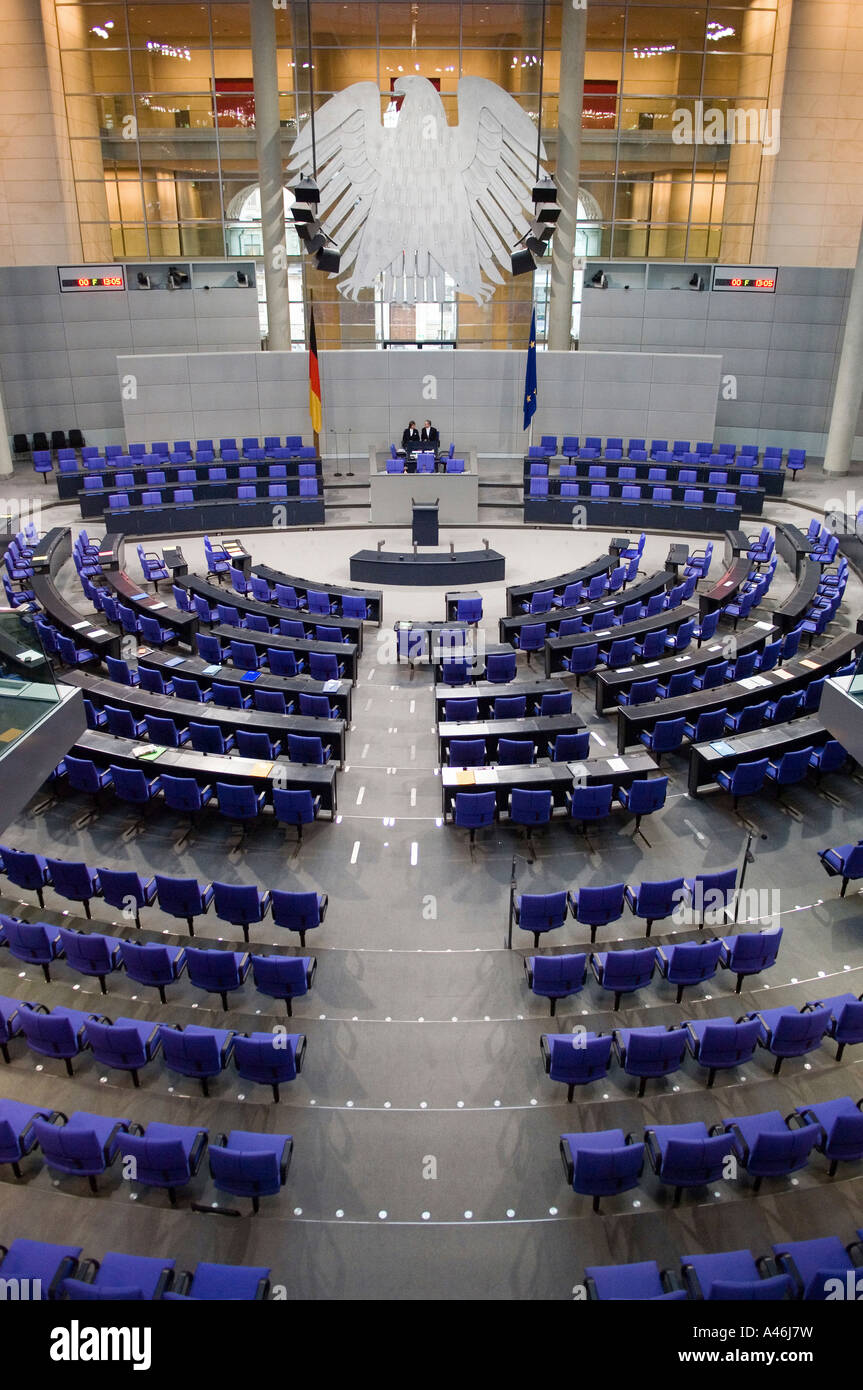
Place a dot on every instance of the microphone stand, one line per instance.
(350, 472)
(338, 472)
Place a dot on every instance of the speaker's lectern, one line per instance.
(424, 530)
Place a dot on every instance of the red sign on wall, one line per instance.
(235, 102)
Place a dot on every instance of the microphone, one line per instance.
(350, 470)
(338, 472)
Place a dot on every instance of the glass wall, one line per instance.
(160, 102)
(28, 690)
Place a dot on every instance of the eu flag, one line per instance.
(530, 375)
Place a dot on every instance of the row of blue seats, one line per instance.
(702, 449)
(156, 477)
(618, 471)
(797, 1269)
(123, 889)
(552, 702)
(161, 448)
(632, 492)
(243, 1162)
(218, 693)
(96, 955)
(316, 601)
(716, 1044)
(185, 497)
(51, 1271)
(623, 972)
(282, 661)
(651, 901)
(204, 738)
(425, 464)
(228, 615)
(130, 1044)
(603, 1163)
(843, 861)
(474, 811)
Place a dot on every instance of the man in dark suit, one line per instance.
(411, 438)
(430, 435)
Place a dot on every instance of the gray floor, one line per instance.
(426, 1133)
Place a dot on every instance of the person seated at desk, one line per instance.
(430, 436)
(411, 438)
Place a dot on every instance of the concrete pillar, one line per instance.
(270, 175)
(849, 379)
(570, 102)
(5, 454)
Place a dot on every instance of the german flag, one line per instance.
(314, 376)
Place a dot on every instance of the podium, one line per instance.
(424, 528)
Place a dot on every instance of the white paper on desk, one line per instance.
(755, 682)
(648, 665)
(769, 626)
(98, 632)
(76, 627)
(485, 774)
(157, 605)
(618, 764)
(577, 769)
(625, 670)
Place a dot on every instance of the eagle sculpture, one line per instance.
(420, 198)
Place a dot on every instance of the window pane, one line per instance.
(169, 26)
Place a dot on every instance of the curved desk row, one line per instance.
(517, 594)
(796, 606)
(557, 778)
(641, 515)
(352, 628)
(49, 556)
(339, 693)
(209, 768)
(373, 598)
(556, 648)
(633, 720)
(539, 728)
(610, 685)
(612, 603)
(486, 692)
(142, 702)
(70, 484)
(705, 759)
(430, 567)
(130, 593)
(749, 501)
(344, 652)
(772, 482)
(261, 514)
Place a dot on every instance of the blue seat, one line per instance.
(790, 768)
(17, 1134)
(307, 749)
(284, 977)
(239, 801)
(59, 1033)
(575, 1059)
(246, 655)
(830, 757)
(733, 1274)
(529, 808)
(183, 897)
(197, 1052)
(229, 696)
(212, 1282)
(839, 1129)
(688, 963)
(665, 736)
(150, 963)
(581, 660)
(766, 1147)
(590, 803)
(749, 718)
(778, 711)
(569, 747)
(249, 1164)
(120, 1277)
(719, 1044)
(846, 1025)
(162, 729)
(601, 1163)
(748, 953)
(686, 1155)
(643, 1282)
(131, 784)
(654, 901)
(597, 907)
(511, 751)
(90, 953)
(256, 1059)
(255, 743)
(500, 667)
(474, 810)
(39, 1263)
(708, 726)
(540, 601)
(746, 779)
(166, 1156)
(297, 808)
(10, 1022)
(639, 693)
(127, 1044)
(84, 1145)
(845, 861)
(788, 1032)
(240, 904)
(530, 637)
(74, 880)
(28, 870)
(299, 912)
(650, 1052)
(35, 943)
(623, 972)
(643, 796)
(217, 972)
(678, 683)
(504, 707)
(323, 666)
(539, 912)
(556, 977)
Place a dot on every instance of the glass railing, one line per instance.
(855, 687)
(28, 691)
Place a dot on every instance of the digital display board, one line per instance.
(82, 278)
(758, 279)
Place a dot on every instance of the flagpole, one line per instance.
(315, 435)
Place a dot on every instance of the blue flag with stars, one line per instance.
(530, 375)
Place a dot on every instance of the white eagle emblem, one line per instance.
(421, 198)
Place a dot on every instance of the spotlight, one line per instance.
(316, 243)
(307, 231)
(143, 280)
(307, 191)
(696, 282)
(301, 214)
(599, 281)
(328, 260)
(545, 191)
(242, 279)
(176, 278)
(547, 212)
(522, 262)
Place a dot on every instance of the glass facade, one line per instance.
(160, 103)
(28, 690)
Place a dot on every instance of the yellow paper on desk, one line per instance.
(261, 769)
(465, 777)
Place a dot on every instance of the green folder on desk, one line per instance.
(150, 751)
